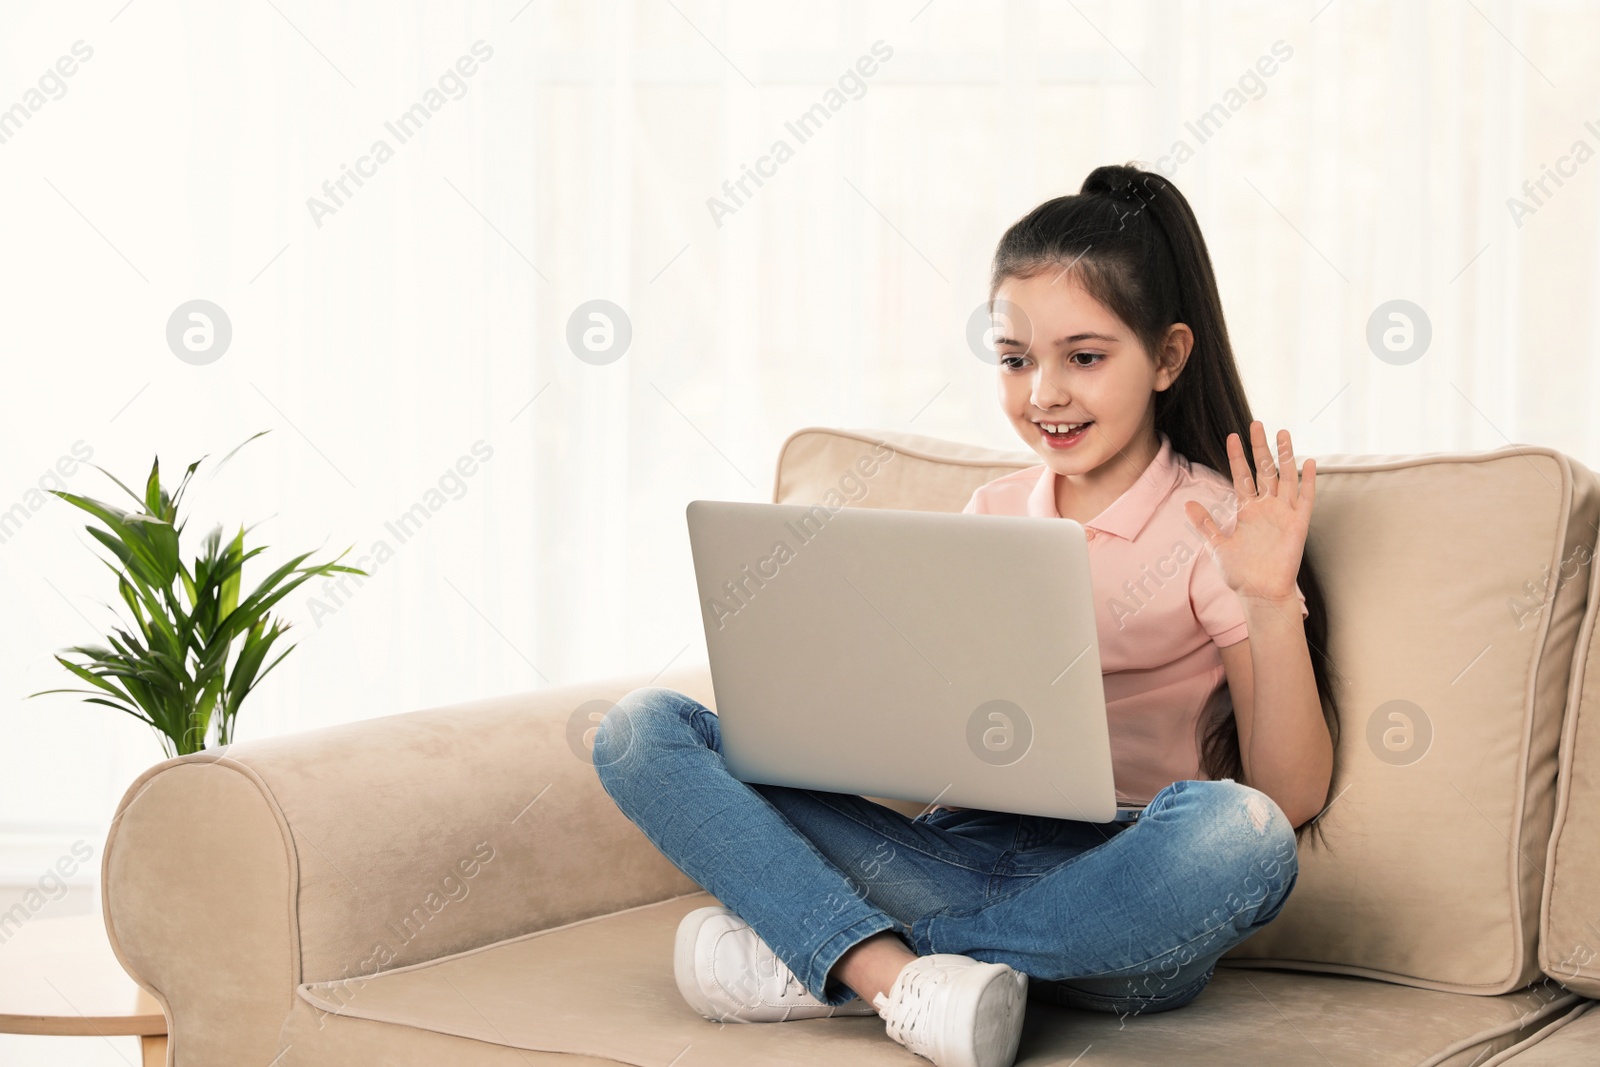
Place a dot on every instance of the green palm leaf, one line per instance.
(196, 650)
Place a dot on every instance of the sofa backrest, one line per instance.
(818, 465)
(1451, 643)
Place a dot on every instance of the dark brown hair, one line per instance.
(1134, 245)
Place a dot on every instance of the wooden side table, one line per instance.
(58, 975)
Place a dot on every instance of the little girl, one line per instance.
(1115, 367)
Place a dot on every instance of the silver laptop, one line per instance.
(937, 657)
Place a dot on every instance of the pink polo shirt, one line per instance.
(1162, 609)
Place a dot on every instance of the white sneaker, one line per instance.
(728, 974)
(957, 1011)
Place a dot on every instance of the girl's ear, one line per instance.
(1174, 354)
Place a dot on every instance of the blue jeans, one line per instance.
(1116, 917)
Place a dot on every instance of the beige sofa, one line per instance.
(452, 886)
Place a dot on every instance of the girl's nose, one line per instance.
(1048, 395)
(1050, 388)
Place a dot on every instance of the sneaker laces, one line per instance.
(795, 987)
(768, 964)
(906, 1021)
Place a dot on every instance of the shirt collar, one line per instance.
(1126, 515)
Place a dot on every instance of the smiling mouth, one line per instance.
(1064, 436)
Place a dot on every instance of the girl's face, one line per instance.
(1065, 358)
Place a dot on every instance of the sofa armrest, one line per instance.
(231, 876)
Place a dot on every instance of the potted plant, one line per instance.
(197, 648)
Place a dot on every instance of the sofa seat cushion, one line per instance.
(1572, 1039)
(603, 988)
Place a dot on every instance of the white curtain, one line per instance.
(427, 312)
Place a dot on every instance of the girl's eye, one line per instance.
(1094, 357)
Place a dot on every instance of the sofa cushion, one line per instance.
(1574, 1038)
(1451, 658)
(604, 988)
(1569, 940)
